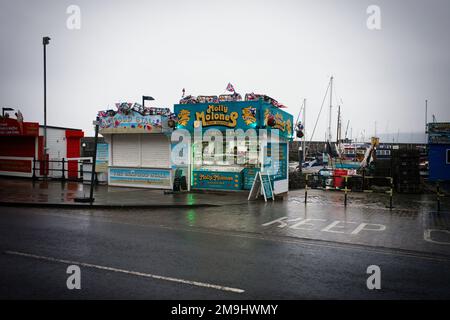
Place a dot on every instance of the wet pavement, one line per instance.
(64, 193)
(413, 224)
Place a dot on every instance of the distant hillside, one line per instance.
(404, 137)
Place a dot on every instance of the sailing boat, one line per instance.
(343, 155)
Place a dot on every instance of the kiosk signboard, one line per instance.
(223, 180)
(137, 177)
(224, 115)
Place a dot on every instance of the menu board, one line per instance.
(261, 184)
(249, 176)
(279, 166)
(266, 186)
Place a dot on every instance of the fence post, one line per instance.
(34, 169)
(306, 187)
(63, 177)
(345, 190)
(391, 192)
(80, 162)
(364, 178)
(438, 193)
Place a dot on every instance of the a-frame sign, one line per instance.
(261, 184)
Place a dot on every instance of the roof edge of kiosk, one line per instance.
(255, 114)
(133, 118)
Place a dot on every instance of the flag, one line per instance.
(230, 87)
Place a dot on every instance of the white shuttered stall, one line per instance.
(140, 150)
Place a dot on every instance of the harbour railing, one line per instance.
(328, 182)
(72, 169)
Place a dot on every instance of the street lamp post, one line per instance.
(45, 42)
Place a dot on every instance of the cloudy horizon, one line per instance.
(285, 49)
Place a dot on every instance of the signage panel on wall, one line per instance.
(132, 123)
(224, 115)
(12, 127)
(16, 165)
(140, 177)
(217, 180)
(234, 115)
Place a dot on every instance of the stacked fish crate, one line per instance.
(406, 171)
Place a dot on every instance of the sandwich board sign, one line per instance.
(261, 184)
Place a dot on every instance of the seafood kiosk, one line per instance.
(138, 145)
(233, 165)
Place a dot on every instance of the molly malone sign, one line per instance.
(233, 115)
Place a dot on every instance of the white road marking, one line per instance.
(427, 236)
(135, 273)
(303, 241)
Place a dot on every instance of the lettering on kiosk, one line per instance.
(217, 115)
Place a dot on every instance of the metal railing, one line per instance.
(437, 190)
(47, 169)
(322, 180)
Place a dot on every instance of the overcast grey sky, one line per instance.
(286, 49)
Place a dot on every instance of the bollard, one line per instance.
(438, 193)
(390, 193)
(34, 169)
(306, 187)
(81, 171)
(345, 190)
(63, 177)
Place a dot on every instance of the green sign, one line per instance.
(222, 180)
(234, 115)
(249, 176)
(224, 115)
(266, 186)
(140, 177)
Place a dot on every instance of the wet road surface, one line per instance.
(216, 254)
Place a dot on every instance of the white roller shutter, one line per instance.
(126, 150)
(155, 151)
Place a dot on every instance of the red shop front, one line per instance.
(22, 142)
(19, 145)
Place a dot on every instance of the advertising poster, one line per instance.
(101, 163)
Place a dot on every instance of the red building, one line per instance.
(22, 142)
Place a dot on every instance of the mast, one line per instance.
(304, 130)
(331, 105)
(426, 115)
(338, 127)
